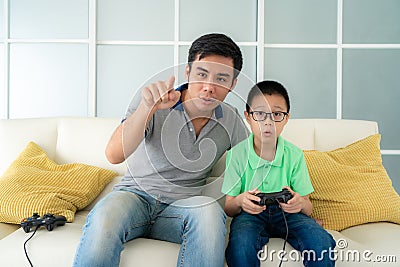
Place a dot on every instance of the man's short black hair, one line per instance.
(267, 88)
(216, 44)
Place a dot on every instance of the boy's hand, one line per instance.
(295, 204)
(246, 202)
(160, 95)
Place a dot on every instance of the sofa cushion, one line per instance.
(380, 238)
(84, 140)
(16, 133)
(352, 186)
(34, 183)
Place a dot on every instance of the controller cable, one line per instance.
(287, 231)
(26, 252)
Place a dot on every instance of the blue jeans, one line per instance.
(197, 223)
(249, 233)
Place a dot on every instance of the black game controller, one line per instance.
(274, 198)
(48, 220)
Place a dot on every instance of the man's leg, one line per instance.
(116, 219)
(198, 224)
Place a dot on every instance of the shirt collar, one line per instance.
(178, 106)
(256, 162)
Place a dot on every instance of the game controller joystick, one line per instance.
(274, 198)
(48, 220)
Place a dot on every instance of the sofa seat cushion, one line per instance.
(149, 252)
(351, 186)
(293, 258)
(6, 229)
(58, 248)
(34, 183)
(381, 238)
(54, 248)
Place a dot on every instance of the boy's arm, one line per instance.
(307, 209)
(301, 182)
(235, 204)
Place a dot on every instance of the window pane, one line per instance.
(48, 19)
(136, 20)
(122, 70)
(371, 90)
(3, 98)
(392, 165)
(299, 22)
(183, 58)
(48, 80)
(309, 75)
(371, 21)
(2, 33)
(235, 18)
(246, 79)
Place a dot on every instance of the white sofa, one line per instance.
(68, 140)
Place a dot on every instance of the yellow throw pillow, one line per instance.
(352, 186)
(34, 183)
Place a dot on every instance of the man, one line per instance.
(171, 139)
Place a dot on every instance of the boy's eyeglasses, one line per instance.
(274, 116)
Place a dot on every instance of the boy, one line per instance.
(265, 162)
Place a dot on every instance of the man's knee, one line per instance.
(205, 214)
(207, 208)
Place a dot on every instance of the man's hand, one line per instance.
(160, 95)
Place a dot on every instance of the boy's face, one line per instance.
(267, 131)
(210, 81)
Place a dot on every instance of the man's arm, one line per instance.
(120, 146)
(129, 134)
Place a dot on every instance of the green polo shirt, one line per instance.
(245, 170)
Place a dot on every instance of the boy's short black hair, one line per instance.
(216, 44)
(267, 88)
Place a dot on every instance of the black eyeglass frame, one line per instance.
(266, 114)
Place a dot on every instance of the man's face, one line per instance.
(210, 80)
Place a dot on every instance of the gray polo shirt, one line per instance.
(171, 163)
